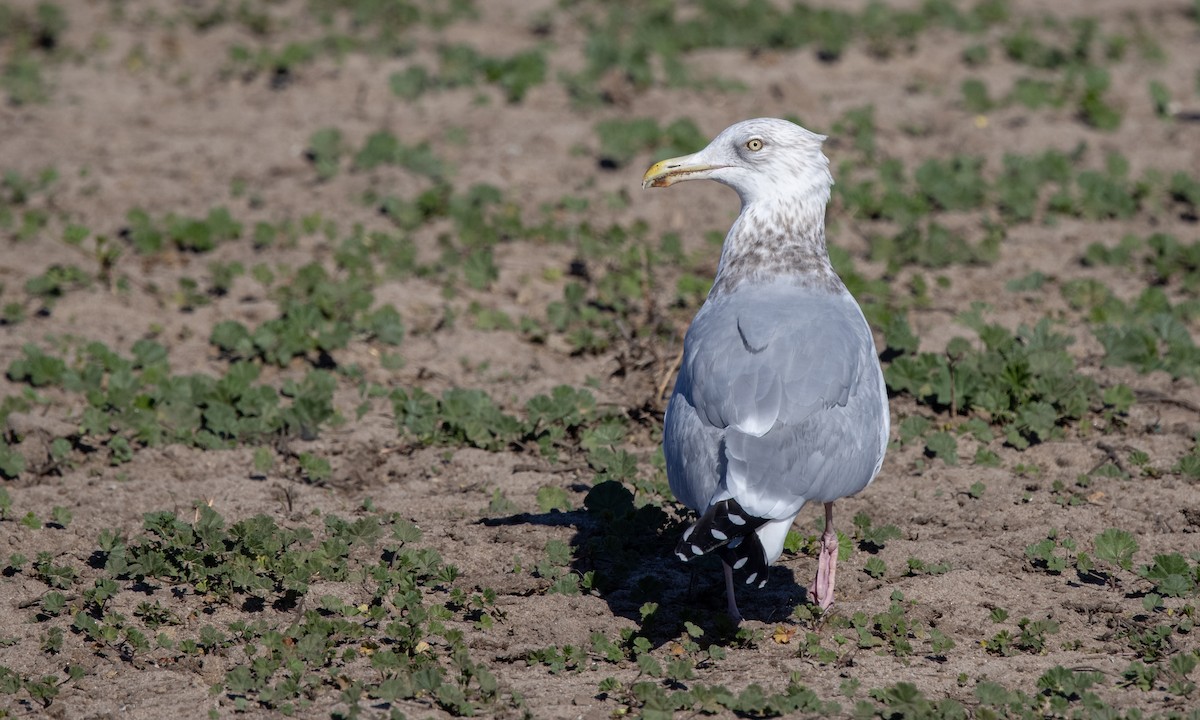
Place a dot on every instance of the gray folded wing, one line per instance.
(779, 401)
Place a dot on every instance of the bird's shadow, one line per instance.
(629, 552)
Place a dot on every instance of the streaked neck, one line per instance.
(777, 239)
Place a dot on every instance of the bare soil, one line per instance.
(147, 116)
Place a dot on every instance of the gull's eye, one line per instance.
(754, 145)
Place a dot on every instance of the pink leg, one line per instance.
(822, 590)
(734, 615)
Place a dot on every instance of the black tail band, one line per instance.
(729, 531)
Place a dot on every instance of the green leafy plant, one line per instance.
(621, 140)
(462, 65)
(53, 284)
(1172, 575)
(553, 498)
(199, 234)
(137, 401)
(1093, 107)
(325, 151)
(1055, 554)
(975, 96)
(383, 148)
(873, 538)
(1025, 381)
(34, 36)
(12, 464)
(1116, 547)
(1160, 96)
(318, 315)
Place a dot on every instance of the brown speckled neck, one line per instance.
(777, 240)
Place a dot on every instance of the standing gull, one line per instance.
(780, 398)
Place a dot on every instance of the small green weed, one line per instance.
(872, 539)
(621, 140)
(136, 401)
(34, 39)
(318, 315)
(1025, 381)
(183, 233)
(1045, 554)
(1029, 638)
(325, 150)
(383, 148)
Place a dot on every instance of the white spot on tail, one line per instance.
(688, 533)
(681, 556)
(719, 535)
(750, 580)
(696, 550)
(737, 519)
(740, 564)
(735, 542)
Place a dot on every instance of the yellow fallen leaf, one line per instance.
(783, 635)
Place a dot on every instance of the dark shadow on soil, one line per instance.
(630, 552)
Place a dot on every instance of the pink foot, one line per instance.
(822, 590)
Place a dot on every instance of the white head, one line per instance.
(761, 159)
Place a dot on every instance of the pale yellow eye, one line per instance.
(754, 145)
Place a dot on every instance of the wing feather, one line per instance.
(779, 401)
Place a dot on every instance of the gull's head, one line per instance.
(758, 158)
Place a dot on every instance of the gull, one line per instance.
(780, 398)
